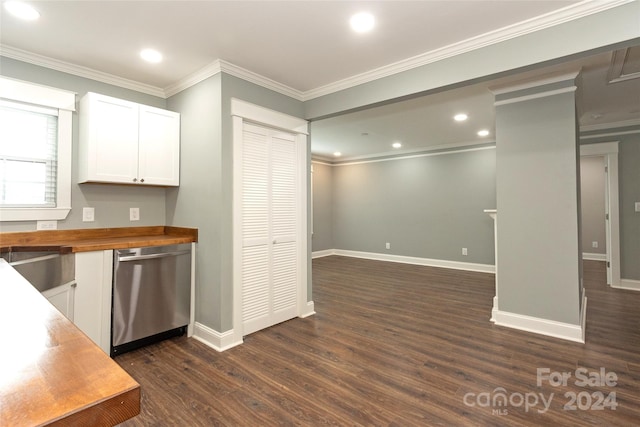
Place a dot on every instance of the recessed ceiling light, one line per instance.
(396, 145)
(460, 117)
(483, 132)
(151, 55)
(362, 22)
(22, 10)
(337, 154)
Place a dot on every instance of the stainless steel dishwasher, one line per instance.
(151, 295)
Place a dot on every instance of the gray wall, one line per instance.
(204, 199)
(111, 202)
(322, 207)
(592, 186)
(629, 188)
(197, 202)
(428, 207)
(538, 208)
(629, 175)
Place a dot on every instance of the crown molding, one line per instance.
(566, 14)
(192, 79)
(455, 149)
(610, 126)
(260, 80)
(77, 70)
(220, 65)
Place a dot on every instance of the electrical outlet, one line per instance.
(388, 245)
(88, 214)
(134, 214)
(637, 206)
(464, 251)
(594, 244)
(47, 225)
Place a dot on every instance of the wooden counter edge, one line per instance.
(67, 237)
(109, 412)
(82, 240)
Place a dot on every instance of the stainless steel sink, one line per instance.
(44, 270)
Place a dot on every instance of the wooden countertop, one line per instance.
(96, 239)
(50, 372)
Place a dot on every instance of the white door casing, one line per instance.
(270, 217)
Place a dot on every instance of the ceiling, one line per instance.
(426, 122)
(306, 47)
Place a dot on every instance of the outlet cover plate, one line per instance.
(46, 225)
(134, 214)
(88, 214)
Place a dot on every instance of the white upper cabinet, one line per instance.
(127, 143)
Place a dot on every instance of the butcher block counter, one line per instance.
(50, 372)
(95, 239)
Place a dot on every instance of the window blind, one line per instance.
(28, 155)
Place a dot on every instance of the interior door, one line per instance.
(269, 265)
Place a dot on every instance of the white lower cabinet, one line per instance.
(63, 298)
(92, 307)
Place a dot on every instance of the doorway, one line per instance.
(607, 153)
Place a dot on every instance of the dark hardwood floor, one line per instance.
(400, 345)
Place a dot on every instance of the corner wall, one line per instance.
(204, 199)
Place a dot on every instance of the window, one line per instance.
(28, 155)
(35, 151)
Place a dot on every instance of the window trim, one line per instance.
(65, 102)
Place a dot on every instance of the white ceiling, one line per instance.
(426, 122)
(304, 46)
(301, 44)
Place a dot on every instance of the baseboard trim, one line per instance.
(628, 284)
(320, 254)
(455, 265)
(494, 309)
(309, 310)
(594, 257)
(551, 328)
(219, 341)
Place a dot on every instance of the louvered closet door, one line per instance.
(269, 227)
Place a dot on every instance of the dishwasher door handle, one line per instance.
(152, 256)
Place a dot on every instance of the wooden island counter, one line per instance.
(50, 372)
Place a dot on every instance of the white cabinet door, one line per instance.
(269, 227)
(109, 140)
(123, 142)
(158, 152)
(62, 298)
(92, 311)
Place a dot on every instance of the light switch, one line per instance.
(88, 214)
(134, 214)
(637, 206)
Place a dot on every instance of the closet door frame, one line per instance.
(243, 112)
